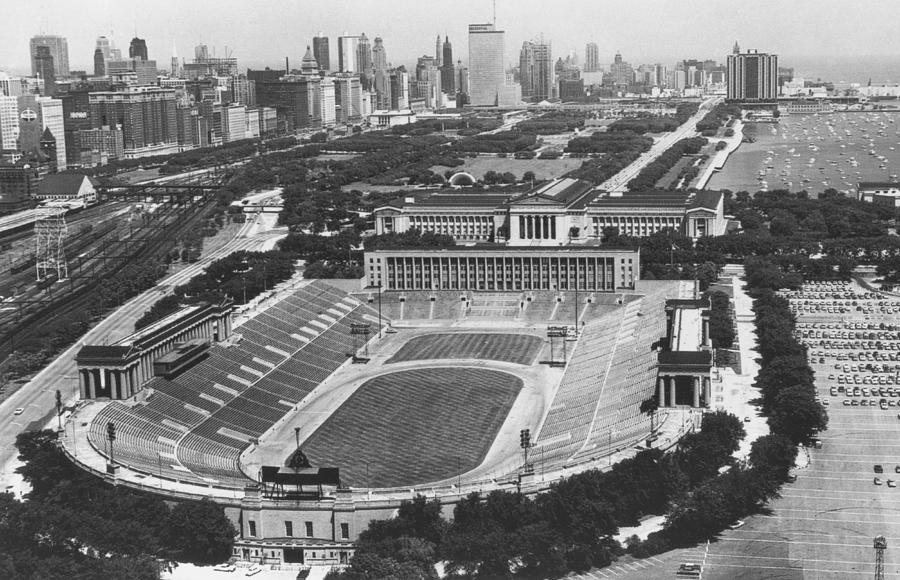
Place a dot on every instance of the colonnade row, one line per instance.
(535, 227)
(124, 379)
(473, 227)
(667, 386)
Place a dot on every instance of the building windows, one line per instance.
(288, 529)
(345, 531)
(309, 529)
(251, 525)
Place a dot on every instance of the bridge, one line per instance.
(156, 191)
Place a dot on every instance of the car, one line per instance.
(879, 469)
(225, 567)
(253, 570)
(846, 402)
(736, 525)
(826, 402)
(877, 481)
(791, 478)
(891, 483)
(746, 419)
(19, 411)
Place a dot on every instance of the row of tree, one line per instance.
(657, 169)
(648, 123)
(571, 527)
(71, 525)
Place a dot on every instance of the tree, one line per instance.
(797, 415)
(774, 455)
(199, 532)
(528, 176)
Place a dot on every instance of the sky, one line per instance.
(262, 32)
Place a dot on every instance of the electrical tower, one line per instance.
(880, 545)
(50, 236)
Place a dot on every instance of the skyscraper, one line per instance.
(487, 75)
(621, 72)
(45, 70)
(448, 73)
(59, 50)
(9, 124)
(99, 63)
(347, 54)
(752, 76)
(321, 52)
(536, 71)
(591, 57)
(104, 46)
(138, 49)
(438, 54)
(379, 55)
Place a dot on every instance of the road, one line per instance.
(619, 182)
(38, 396)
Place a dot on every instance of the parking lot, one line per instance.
(824, 524)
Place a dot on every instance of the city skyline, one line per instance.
(800, 29)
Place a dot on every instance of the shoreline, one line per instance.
(721, 157)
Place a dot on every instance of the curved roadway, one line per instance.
(38, 396)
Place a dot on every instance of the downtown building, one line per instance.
(536, 71)
(752, 76)
(147, 117)
(488, 86)
(295, 97)
(58, 48)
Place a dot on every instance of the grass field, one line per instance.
(412, 427)
(514, 348)
(542, 168)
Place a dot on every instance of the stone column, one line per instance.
(696, 385)
(661, 391)
(671, 391)
(706, 392)
(84, 384)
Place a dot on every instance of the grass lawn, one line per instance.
(542, 168)
(412, 427)
(514, 348)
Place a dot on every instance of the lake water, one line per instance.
(814, 153)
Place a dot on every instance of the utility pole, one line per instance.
(880, 545)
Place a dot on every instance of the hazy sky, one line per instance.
(260, 32)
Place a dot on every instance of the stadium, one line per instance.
(319, 409)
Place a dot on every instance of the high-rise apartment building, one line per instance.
(462, 78)
(321, 52)
(138, 48)
(591, 57)
(487, 74)
(536, 71)
(448, 71)
(348, 48)
(327, 103)
(59, 50)
(348, 98)
(104, 45)
(752, 76)
(9, 125)
(147, 116)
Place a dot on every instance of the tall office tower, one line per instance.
(348, 98)
(487, 75)
(364, 55)
(99, 63)
(399, 89)
(462, 78)
(348, 47)
(382, 84)
(536, 71)
(138, 49)
(438, 53)
(327, 103)
(448, 72)
(321, 52)
(104, 46)
(243, 90)
(174, 62)
(379, 55)
(10, 86)
(9, 125)
(44, 61)
(752, 76)
(621, 71)
(591, 57)
(201, 53)
(295, 97)
(308, 64)
(59, 50)
(147, 116)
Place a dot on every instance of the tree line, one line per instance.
(72, 525)
(657, 169)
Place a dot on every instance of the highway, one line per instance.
(618, 183)
(38, 396)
